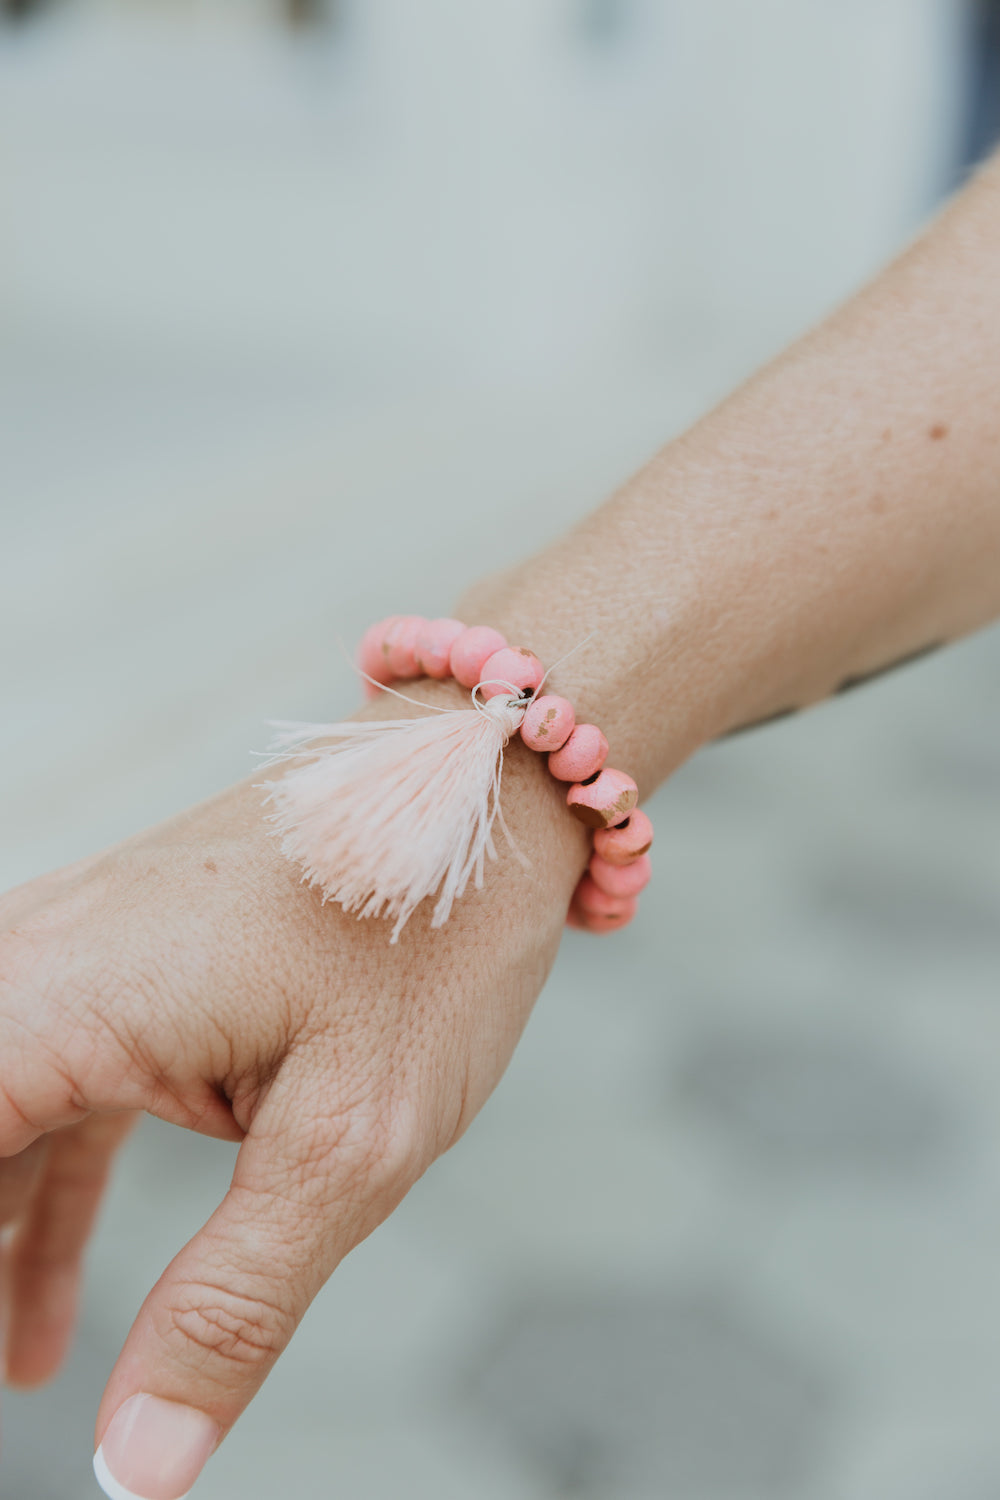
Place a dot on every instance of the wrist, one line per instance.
(638, 652)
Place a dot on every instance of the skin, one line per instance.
(837, 514)
(189, 973)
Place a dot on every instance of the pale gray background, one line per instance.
(298, 328)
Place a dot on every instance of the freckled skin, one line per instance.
(745, 570)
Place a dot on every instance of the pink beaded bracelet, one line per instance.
(604, 799)
(390, 813)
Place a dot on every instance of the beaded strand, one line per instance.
(602, 798)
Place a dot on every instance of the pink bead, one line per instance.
(620, 880)
(513, 664)
(373, 652)
(611, 921)
(626, 841)
(401, 645)
(604, 800)
(601, 912)
(471, 649)
(584, 752)
(548, 723)
(434, 642)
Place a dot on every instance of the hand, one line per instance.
(190, 973)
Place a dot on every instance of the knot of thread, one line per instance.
(507, 712)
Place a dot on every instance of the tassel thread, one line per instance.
(388, 814)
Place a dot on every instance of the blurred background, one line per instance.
(302, 305)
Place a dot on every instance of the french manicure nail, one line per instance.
(154, 1450)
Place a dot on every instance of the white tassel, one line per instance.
(396, 811)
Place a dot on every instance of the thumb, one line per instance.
(309, 1184)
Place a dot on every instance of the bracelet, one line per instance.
(389, 813)
(406, 646)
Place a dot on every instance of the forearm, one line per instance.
(838, 512)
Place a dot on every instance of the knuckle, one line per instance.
(214, 1326)
(399, 1152)
(382, 1144)
(370, 1148)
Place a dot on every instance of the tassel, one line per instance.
(394, 812)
